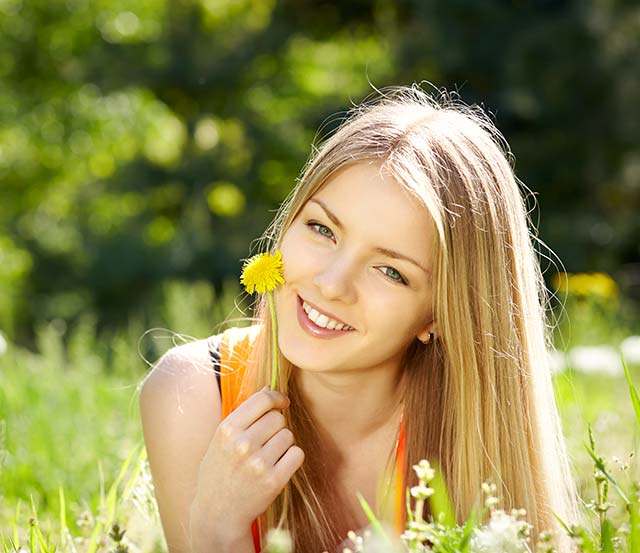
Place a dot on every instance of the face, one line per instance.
(358, 255)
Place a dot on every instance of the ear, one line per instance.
(429, 329)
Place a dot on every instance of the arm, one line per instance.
(180, 408)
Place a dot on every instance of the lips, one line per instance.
(329, 315)
(314, 330)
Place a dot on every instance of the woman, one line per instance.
(411, 325)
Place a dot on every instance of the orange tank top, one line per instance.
(236, 385)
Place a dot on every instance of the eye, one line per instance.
(394, 275)
(320, 229)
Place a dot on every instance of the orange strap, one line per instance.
(236, 345)
(399, 521)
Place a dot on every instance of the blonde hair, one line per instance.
(479, 400)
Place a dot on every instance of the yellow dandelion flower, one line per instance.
(262, 273)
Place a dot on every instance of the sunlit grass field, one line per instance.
(69, 420)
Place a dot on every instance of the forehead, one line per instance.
(369, 201)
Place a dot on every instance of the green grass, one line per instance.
(62, 425)
(69, 415)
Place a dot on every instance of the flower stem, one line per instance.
(274, 338)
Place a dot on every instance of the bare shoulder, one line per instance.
(180, 409)
(185, 370)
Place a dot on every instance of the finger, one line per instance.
(277, 446)
(253, 408)
(265, 427)
(290, 462)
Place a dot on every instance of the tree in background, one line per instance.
(146, 140)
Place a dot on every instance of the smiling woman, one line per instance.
(411, 325)
(341, 259)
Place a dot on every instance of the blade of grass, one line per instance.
(467, 532)
(33, 540)
(606, 537)
(598, 462)
(409, 510)
(14, 545)
(586, 545)
(112, 495)
(634, 523)
(32, 536)
(587, 542)
(110, 503)
(635, 400)
(41, 541)
(563, 524)
(16, 539)
(63, 515)
(136, 472)
(375, 523)
(93, 540)
(6, 547)
(440, 500)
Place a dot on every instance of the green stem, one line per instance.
(419, 510)
(274, 339)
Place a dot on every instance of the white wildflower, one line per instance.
(489, 489)
(424, 471)
(621, 465)
(3, 344)
(374, 543)
(278, 541)
(503, 533)
(356, 540)
(418, 526)
(409, 535)
(491, 502)
(421, 491)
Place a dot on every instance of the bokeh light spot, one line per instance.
(126, 23)
(159, 231)
(102, 165)
(206, 134)
(226, 199)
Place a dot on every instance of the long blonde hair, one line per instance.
(479, 400)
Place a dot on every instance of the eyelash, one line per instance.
(313, 224)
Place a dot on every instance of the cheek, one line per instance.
(400, 315)
(297, 254)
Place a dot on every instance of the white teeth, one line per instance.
(322, 320)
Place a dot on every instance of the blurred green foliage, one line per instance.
(143, 141)
(590, 311)
(80, 395)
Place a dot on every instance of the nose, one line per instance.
(335, 279)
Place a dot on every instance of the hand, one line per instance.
(249, 461)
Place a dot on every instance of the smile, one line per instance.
(320, 325)
(323, 320)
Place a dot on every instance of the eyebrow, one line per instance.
(384, 251)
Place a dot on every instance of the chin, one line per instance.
(294, 353)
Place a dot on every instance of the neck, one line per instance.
(350, 408)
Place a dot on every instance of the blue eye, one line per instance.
(320, 229)
(394, 275)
